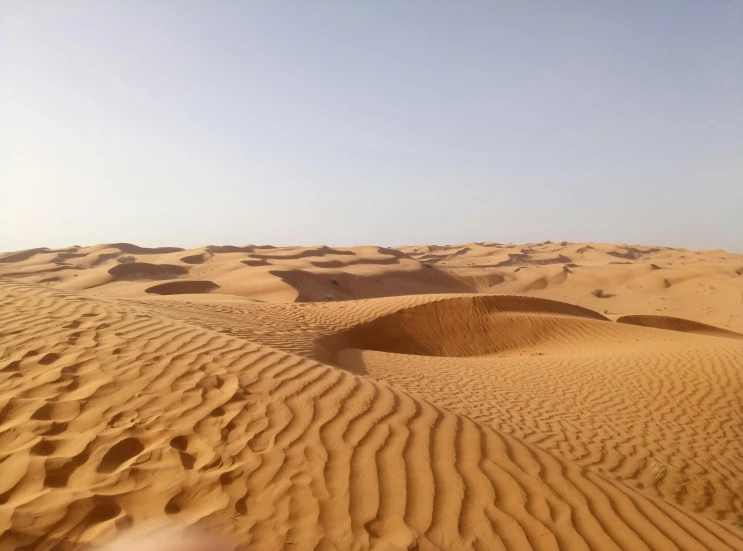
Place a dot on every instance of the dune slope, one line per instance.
(114, 416)
(373, 398)
(653, 409)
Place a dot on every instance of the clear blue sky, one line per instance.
(177, 122)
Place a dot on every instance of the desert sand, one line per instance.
(552, 396)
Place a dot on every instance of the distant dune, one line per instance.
(704, 286)
(550, 396)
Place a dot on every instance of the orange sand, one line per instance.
(481, 398)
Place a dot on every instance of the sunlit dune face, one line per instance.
(167, 542)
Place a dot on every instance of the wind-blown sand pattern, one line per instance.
(402, 405)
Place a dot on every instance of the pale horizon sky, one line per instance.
(185, 123)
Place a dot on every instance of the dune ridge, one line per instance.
(278, 449)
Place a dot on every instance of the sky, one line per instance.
(188, 123)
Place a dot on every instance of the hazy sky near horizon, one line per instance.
(178, 122)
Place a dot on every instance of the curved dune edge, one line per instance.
(182, 287)
(157, 421)
(469, 326)
(678, 324)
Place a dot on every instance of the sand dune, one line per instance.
(472, 326)
(704, 286)
(372, 398)
(678, 324)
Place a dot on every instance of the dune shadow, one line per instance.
(678, 324)
(128, 248)
(146, 271)
(332, 286)
(182, 287)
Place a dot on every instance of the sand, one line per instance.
(479, 396)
